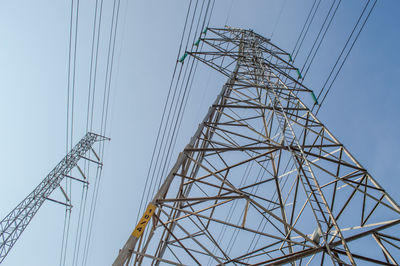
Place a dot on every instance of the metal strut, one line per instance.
(263, 181)
(12, 226)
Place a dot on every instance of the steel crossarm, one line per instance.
(12, 226)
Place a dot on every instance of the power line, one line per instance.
(278, 18)
(103, 128)
(229, 13)
(343, 49)
(177, 112)
(212, 9)
(85, 248)
(187, 90)
(85, 187)
(173, 117)
(304, 26)
(171, 111)
(67, 122)
(190, 86)
(177, 109)
(323, 37)
(308, 28)
(92, 55)
(163, 116)
(70, 118)
(351, 47)
(319, 33)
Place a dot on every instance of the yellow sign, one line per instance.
(143, 222)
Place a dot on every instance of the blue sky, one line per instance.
(362, 109)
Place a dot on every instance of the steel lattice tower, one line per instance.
(12, 226)
(263, 181)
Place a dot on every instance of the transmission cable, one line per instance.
(304, 26)
(169, 144)
(91, 120)
(278, 18)
(212, 9)
(104, 116)
(343, 49)
(184, 98)
(321, 40)
(70, 110)
(191, 84)
(169, 120)
(172, 110)
(85, 187)
(176, 113)
(229, 13)
(319, 33)
(145, 188)
(172, 131)
(351, 47)
(67, 127)
(308, 28)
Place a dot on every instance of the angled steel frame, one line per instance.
(263, 181)
(12, 226)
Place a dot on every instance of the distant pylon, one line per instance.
(263, 181)
(12, 226)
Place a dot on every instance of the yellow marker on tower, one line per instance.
(139, 229)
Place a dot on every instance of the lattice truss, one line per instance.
(263, 181)
(13, 225)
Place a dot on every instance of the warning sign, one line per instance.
(143, 221)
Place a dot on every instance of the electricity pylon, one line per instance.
(12, 226)
(263, 181)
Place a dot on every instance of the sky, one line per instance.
(362, 109)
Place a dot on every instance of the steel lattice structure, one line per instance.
(12, 226)
(263, 181)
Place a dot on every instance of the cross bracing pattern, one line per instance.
(13, 225)
(263, 181)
